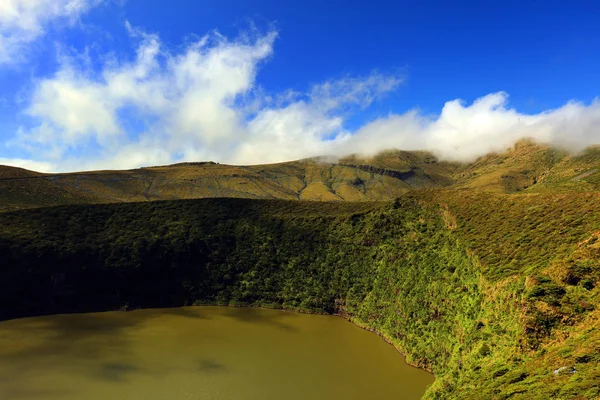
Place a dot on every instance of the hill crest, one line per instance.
(525, 168)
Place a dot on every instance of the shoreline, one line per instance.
(354, 321)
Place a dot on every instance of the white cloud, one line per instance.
(463, 132)
(204, 103)
(361, 91)
(23, 21)
(75, 108)
(39, 166)
(195, 105)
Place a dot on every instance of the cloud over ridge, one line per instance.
(204, 103)
(463, 132)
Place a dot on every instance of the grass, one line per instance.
(526, 168)
(491, 292)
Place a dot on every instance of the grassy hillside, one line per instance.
(491, 292)
(527, 167)
(300, 180)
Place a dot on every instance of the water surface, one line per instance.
(200, 353)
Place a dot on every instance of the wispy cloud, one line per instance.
(204, 103)
(192, 104)
(24, 21)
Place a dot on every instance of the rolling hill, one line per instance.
(527, 167)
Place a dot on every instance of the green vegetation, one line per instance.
(526, 168)
(491, 292)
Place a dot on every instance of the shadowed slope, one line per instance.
(491, 292)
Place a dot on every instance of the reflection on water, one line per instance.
(200, 353)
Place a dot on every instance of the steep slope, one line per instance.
(491, 292)
(522, 167)
(420, 169)
(575, 172)
(526, 167)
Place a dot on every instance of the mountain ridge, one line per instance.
(526, 167)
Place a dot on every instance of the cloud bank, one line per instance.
(463, 132)
(24, 21)
(204, 103)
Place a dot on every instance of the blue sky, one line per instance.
(121, 84)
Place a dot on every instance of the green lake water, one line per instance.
(200, 353)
